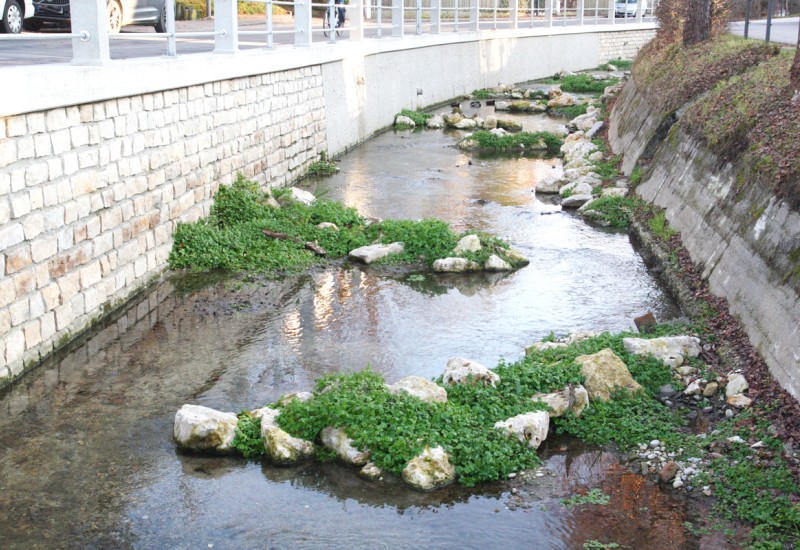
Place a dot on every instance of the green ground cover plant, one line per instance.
(594, 496)
(521, 140)
(231, 237)
(614, 210)
(570, 111)
(418, 117)
(585, 84)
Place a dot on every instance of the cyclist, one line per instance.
(340, 13)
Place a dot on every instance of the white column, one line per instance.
(581, 5)
(172, 47)
(639, 11)
(610, 11)
(513, 6)
(397, 18)
(302, 23)
(474, 15)
(436, 16)
(548, 13)
(357, 22)
(90, 17)
(226, 23)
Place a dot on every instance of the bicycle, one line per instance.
(340, 18)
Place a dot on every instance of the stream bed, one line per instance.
(86, 452)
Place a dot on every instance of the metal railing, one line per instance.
(370, 18)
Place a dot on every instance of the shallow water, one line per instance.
(86, 455)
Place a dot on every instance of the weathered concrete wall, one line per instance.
(94, 178)
(742, 236)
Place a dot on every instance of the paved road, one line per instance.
(783, 30)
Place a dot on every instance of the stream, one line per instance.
(86, 452)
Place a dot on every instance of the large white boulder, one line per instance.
(467, 371)
(402, 120)
(604, 372)
(436, 122)
(202, 429)
(469, 243)
(530, 427)
(336, 440)
(281, 448)
(303, 196)
(421, 388)
(576, 188)
(301, 396)
(496, 263)
(670, 350)
(575, 201)
(455, 265)
(373, 252)
(571, 398)
(465, 124)
(737, 385)
(429, 470)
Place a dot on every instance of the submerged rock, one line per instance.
(604, 372)
(516, 257)
(336, 440)
(575, 201)
(373, 252)
(466, 371)
(202, 429)
(430, 470)
(421, 388)
(670, 350)
(530, 427)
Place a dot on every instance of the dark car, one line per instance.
(120, 13)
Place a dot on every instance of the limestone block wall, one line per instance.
(90, 194)
(624, 45)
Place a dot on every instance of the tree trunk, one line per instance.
(794, 75)
(698, 22)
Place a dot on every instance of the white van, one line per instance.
(627, 8)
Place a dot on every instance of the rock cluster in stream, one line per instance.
(202, 429)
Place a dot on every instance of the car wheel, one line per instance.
(12, 18)
(114, 17)
(161, 24)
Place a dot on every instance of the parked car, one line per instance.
(13, 12)
(120, 13)
(627, 8)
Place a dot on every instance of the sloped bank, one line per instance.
(742, 229)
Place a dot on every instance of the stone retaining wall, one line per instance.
(90, 195)
(623, 45)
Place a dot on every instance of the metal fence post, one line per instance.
(513, 6)
(172, 47)
(747, 19)
(581, 8)
(639, 11)
(610, 12)
(302, 23)
(769, 20)
(226, 24)
(548, 13)
(436, 16)
(90, 17)
(397, 18)
(474, 15)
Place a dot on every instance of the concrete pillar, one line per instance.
(357, 24)
(436, 16)
(90, 17)
(474, 15)
(172, 48)
(610, 4)
(513, 6)
(302, 23)
(581, 7)
(548, 13)
(226, 23)
(397, 18)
